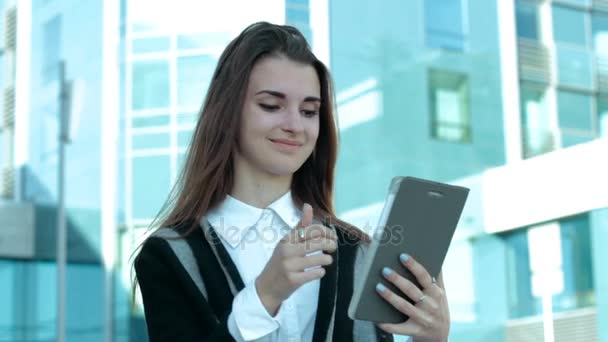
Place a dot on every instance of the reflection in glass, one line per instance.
(194, 74)
(527, 20)
(150, 84)
(599, 28)
(445, 24)
(538, 137)
(569, 25)
(151, 141)
(575, 67)
(147, 200)
(147, 45)
(536, 250)
(575, 110)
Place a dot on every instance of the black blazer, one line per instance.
(188, 284)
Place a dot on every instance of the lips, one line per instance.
(287, 142)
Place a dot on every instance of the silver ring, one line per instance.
(421, 299)
(301, 234)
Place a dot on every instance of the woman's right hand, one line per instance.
(290, 266)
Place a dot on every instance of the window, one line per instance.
(297, 13)
(527, 21)
(450, 108)
(144, 141)
(147, 171)
(575, 112)
(554, 258)
(150, 84)
(570, 25)
(52, 49)
(599, 28)
(194, 74)
(445, 24)
(575, 67)
(150, 121)
(183, 138)
(146, 45)
(580, 3)
(538, 137)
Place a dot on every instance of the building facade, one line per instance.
(509, 98)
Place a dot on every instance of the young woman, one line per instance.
(250, 248)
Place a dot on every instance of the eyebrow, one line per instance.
(283, 96)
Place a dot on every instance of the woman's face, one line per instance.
(280, 118)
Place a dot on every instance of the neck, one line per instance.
(259, 189)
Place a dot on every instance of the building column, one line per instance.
(598, 220)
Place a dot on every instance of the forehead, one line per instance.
(284, 75)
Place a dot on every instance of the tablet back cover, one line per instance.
(420, 220)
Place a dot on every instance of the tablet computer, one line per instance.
(419, 218)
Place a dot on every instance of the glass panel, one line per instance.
(300, 16)
(537, 134)
(151, 182)
(297, 2)
(181, 159)
(208, 40)
(599, 26)
(187, 119)
(575, 110)
(584, 3)
(150, 121)
(554, 258)
(144, 45)
(602, 111)
(150, 84)
(151, 141)
(527, 20)
(449, 97)
(569, 25)
(444, 24)
(51, 45)
(193, 77)
(575, 67)
(183, 138)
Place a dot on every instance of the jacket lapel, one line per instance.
(327, 301)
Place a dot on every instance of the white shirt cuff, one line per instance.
(249, 319)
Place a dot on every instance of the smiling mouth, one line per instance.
(284, 142)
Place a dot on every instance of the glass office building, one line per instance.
(506, 97)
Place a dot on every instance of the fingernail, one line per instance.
(380, 287)
(404, 257)
(387, 271)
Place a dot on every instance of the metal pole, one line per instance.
(61, 222)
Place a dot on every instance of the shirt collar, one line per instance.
(232, 218)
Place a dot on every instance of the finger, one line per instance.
(319, 231)
(319, 244)
(421, 274)
(306, 216)
(309, 275)
(403, 305)
(408, 288)
(317, 260)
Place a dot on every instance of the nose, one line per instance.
(293, 121)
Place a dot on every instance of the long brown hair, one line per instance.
(208, 174)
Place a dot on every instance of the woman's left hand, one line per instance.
(429, 316)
